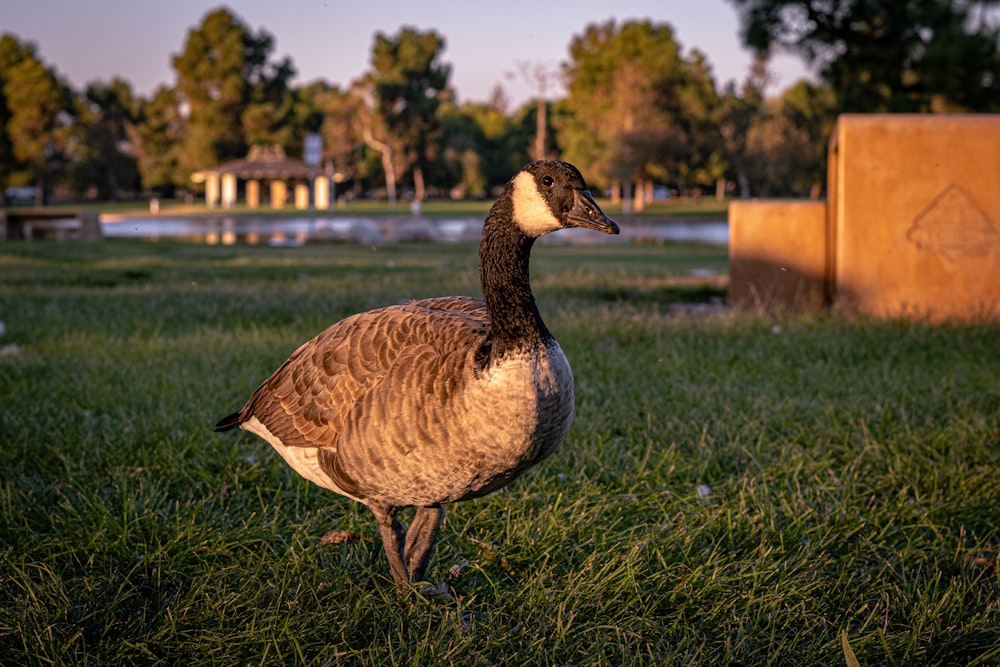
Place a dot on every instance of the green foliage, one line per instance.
(12, 51)
(735, 490)
(37, 102)
(157, 137)
(639, 110)
(483, 146)
(105, 114)
(334, 114)
(409, 82)
(888, 55)
(235, 96)
(623, 93)
(786, 142)
(736, 112)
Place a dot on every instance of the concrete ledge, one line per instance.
(777, 256)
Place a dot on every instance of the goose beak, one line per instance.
(586, 213)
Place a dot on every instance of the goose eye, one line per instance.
(547, 181)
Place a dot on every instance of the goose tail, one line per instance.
(230, 422)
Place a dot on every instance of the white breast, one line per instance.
(530, 402)
(504, 421)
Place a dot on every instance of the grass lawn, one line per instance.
(736, 490)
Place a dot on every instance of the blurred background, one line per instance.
(728, 98)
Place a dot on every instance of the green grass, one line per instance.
(735, 490)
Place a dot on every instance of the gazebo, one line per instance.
(263, 163)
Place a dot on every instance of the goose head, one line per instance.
(547, 195)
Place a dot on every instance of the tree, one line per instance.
(269, 114)
(472, 134)
(638, 109)
(335, 114)
(811, 109)
(374, 131)
(540, 77)
(12, 170)
(232, 93)
(501, 142)
(407, 85)
(786, 142)
(103, 157)
(512, 148)
(887, 55)
(737, 111)
(696, 108)
(157, 136)
(38, 105)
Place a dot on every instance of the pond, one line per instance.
(376, 231)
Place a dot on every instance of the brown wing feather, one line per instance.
(306, 401)
(460, 304)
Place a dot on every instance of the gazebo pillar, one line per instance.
(253, 193)
(301, 196)
(211, 189)
(278, 193)
(228, 190)
(321, 190)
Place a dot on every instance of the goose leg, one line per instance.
(393, 539)
(420, 539)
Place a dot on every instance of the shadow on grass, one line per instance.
(663, 291)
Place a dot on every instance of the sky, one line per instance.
(487, 44)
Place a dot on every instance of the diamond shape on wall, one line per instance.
(953, 225)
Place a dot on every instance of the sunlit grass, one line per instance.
(735, 490)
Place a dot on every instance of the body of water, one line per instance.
(229, 230)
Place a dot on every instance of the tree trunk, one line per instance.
(41, 186)
(112, 176)
(390, 178)
(540, 126)
(418, 183)
(744, 181)
(386, 152)
(639, 203)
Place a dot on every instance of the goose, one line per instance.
(437, 400)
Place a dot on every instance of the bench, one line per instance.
(40, 223)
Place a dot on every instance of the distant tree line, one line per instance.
(639, 110)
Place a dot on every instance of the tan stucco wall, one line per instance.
(914, 215)
(777, 255)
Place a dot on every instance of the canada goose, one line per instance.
(437, 400)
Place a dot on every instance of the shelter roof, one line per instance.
(262, 162)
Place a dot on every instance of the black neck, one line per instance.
(503, 271)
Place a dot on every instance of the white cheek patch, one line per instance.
(531, 212)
